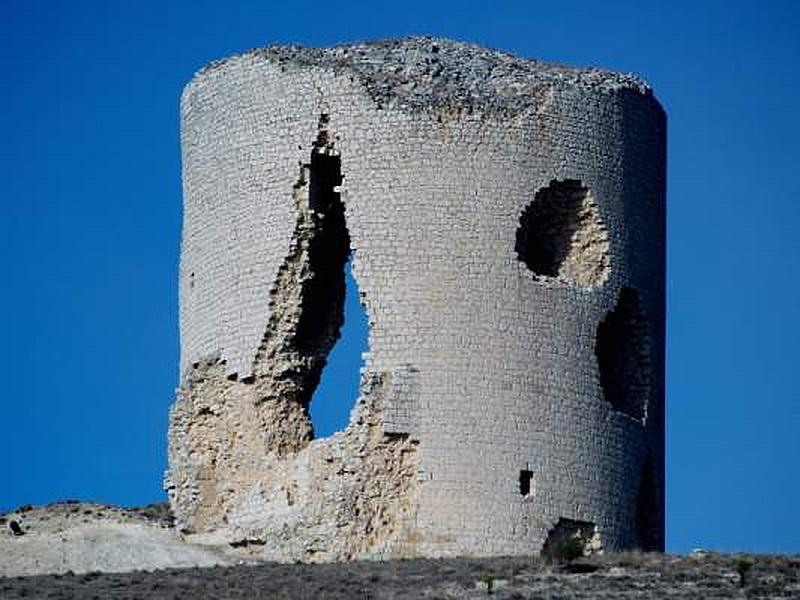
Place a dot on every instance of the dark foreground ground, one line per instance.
(699, 575)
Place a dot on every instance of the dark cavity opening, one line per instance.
(623, 355)
(561, 235)
(328, 249)
(648, 513)
(571, 539)
(332, 324)
(525, 478)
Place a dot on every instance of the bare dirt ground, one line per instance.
(613, 576)
(83, 537)
(149, 543)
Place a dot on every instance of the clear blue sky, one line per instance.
(91, 211)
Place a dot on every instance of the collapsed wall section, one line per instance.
(242, 459)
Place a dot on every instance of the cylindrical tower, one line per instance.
(506, 220)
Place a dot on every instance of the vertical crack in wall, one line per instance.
(622, 348)
(561, 235)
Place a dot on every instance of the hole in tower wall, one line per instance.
(332, 326)
(570, 539)
(562, 236)
(322, 300)
(338, 388)
(525, 481)
(306, 306)
(622, 349)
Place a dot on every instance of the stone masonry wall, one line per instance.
(506, 222)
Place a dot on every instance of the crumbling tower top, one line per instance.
(426, 72)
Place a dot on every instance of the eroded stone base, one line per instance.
(339, 498)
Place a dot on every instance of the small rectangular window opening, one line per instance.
(525, 478)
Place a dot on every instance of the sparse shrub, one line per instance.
(569, 549)
(743, 566)
(488, 581)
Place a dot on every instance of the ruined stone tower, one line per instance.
(506, 223)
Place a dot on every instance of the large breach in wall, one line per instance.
(242, 454)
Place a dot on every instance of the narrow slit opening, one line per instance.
(525, 479)
(333, 325)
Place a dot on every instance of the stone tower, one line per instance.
(506, 221)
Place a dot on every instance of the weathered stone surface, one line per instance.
(495, 209)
